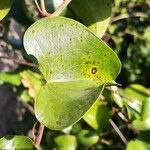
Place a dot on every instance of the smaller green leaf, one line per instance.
(4, 7)
(33, 81)
(116, 96)
(98, 116)
(25, 96)
(136, 92)
(138, 145)
(16, 143)
(134, 96)
(87, 138)
(144, 122)
(10, 78)
(141, 143)
(65, 142)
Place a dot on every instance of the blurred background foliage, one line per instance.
(130, 32)
(120, 119)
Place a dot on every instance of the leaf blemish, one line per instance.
(94, 70)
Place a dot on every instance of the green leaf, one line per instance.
(87, 138)
(16, 142)
(113, 94)
(75, 64)
(98, 116)
(144, 122)
(60, 104)
(10, 78)
(4, 7)
(135, 95)
(66, 142)
(141, 143)
(25, 96)
(138, 145)
(95, 14)
(116, 97)
(33, 81)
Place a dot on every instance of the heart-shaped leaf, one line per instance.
(59, 104)
(4, 7)
(16, 142)
(95, 14)
(75, 64)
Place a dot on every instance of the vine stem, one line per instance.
(58, 11)
(38, 137)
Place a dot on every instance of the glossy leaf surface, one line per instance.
(75, 64)
(58, 105)
(16, 142)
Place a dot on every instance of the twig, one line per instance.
(113, 130)
(38, 137)
(58, 11)
(122, 116)
(125, 16)
(118, 131)
(20, 62)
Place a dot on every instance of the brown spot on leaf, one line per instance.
(94, 70)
